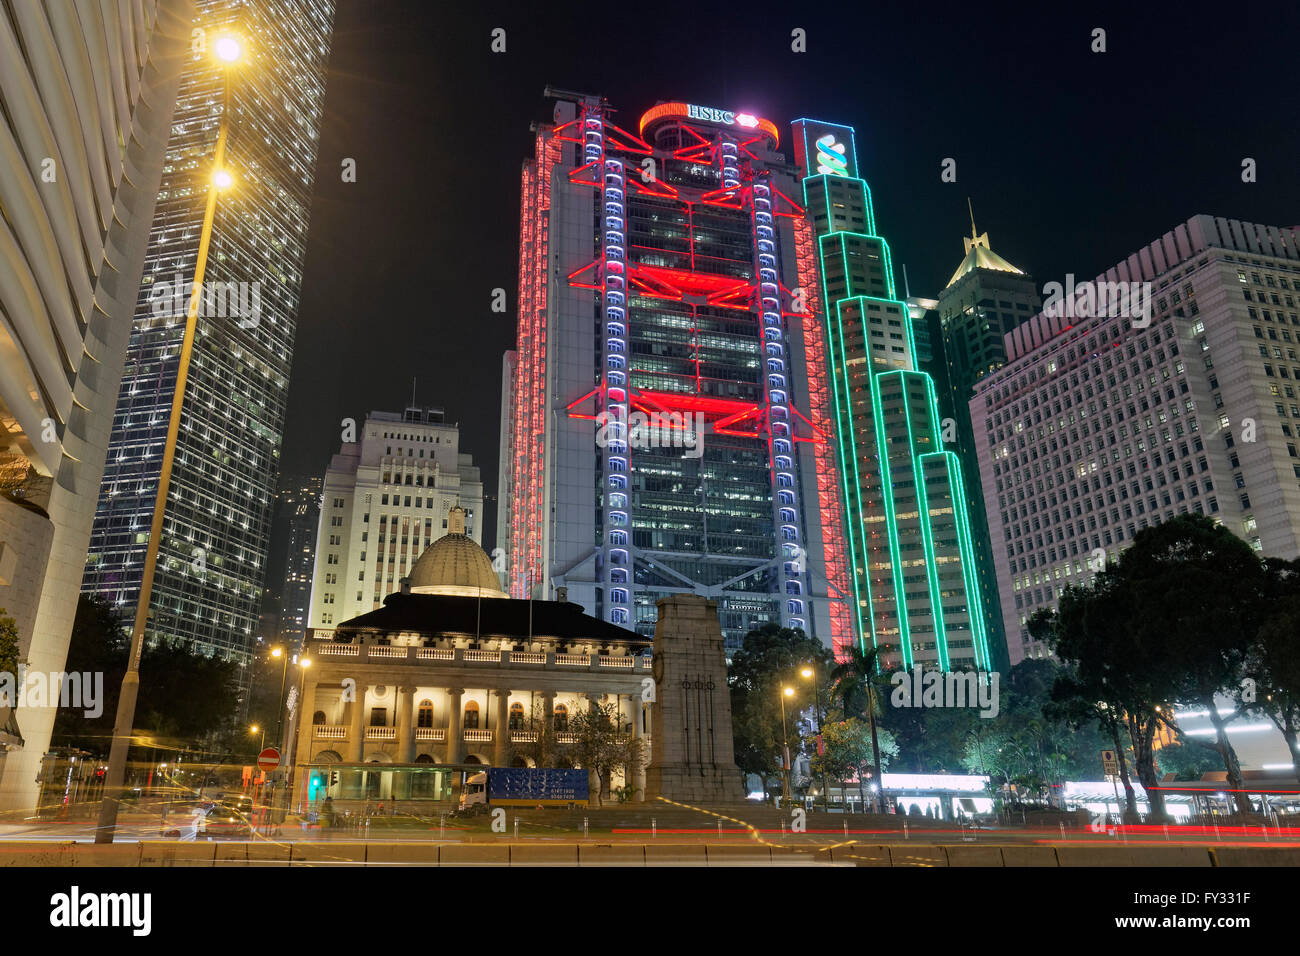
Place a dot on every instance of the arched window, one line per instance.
(516, 716)
(561, 717)
(425, 716)
(471, 715)
(318, 717)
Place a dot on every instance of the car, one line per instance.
(184, 822)
(224, 823)
(242, 803)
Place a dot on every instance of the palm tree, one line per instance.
(853, 682)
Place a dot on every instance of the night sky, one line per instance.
(1072, 159)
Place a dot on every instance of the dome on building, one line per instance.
(455, 565)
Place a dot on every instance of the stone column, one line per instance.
(354, 780)
(405, 725)
(295, 764)
(638, 733)
(501, 736)
(455, 743)
(405, 742)
(357, 731)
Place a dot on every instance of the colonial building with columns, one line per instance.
(450, 675)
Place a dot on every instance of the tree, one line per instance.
(1273, 659)
(768, 661)
(9, 649)
(1199, 591)
(1189, 759)
(191, 698)
(544, 748)
(600, 746)
(853, 681)
(1090, 632)
(852, 751)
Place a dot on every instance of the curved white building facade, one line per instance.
(87, 100)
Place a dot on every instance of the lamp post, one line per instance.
(279, 701)
(228, 52)
(785, 737)
(254, 729)
(810, 673)
(291, 745)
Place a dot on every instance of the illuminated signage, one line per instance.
(710, 114)
(825, 149)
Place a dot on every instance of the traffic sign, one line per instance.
(268, 759)
(1110, 763)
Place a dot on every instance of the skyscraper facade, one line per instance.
(295, 524)
(212, 552)
(916, 593)
(986, 298)
(86, 101)
(1103, 422)
(385, 499)
(666, 416)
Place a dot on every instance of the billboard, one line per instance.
(825, 148)
(526, 786)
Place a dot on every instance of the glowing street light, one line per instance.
(223, 179)
(228, 49)
(785, 736)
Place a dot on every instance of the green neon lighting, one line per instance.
(833, 246)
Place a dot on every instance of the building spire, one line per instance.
(973, 233)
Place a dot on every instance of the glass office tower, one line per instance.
(664, 424)
(212, 555)
(916, 587)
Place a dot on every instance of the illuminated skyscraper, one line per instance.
(916, 589)
(666, 411)
(212, 553)
(986, 298)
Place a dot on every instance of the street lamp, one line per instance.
(810, 673)
(279, 702)
(785, 736)
(290, 747)
(254, 729)
(227, 51)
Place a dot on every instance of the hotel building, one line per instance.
(1099, 425)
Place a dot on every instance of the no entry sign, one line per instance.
(268, 759)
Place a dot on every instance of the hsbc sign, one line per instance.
(710, 115)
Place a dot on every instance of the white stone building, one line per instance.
(386, 499)
(1101, 425)
(451, 674)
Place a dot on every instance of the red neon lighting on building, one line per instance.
(529, 397)
(819, 408)
(683, 111)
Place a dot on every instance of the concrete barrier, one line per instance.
(972, 854)
(681, 854)
(611, 854)
(861, 854)
(474, 854)
(738, 854)
(384, 852)
(167, 853)
(1029, 856)
(36, 853)
(1133, 856)
(544, 854)
(913, 855)
(794, 855)
(326, 854)
(105, 854)
(1255, 856)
